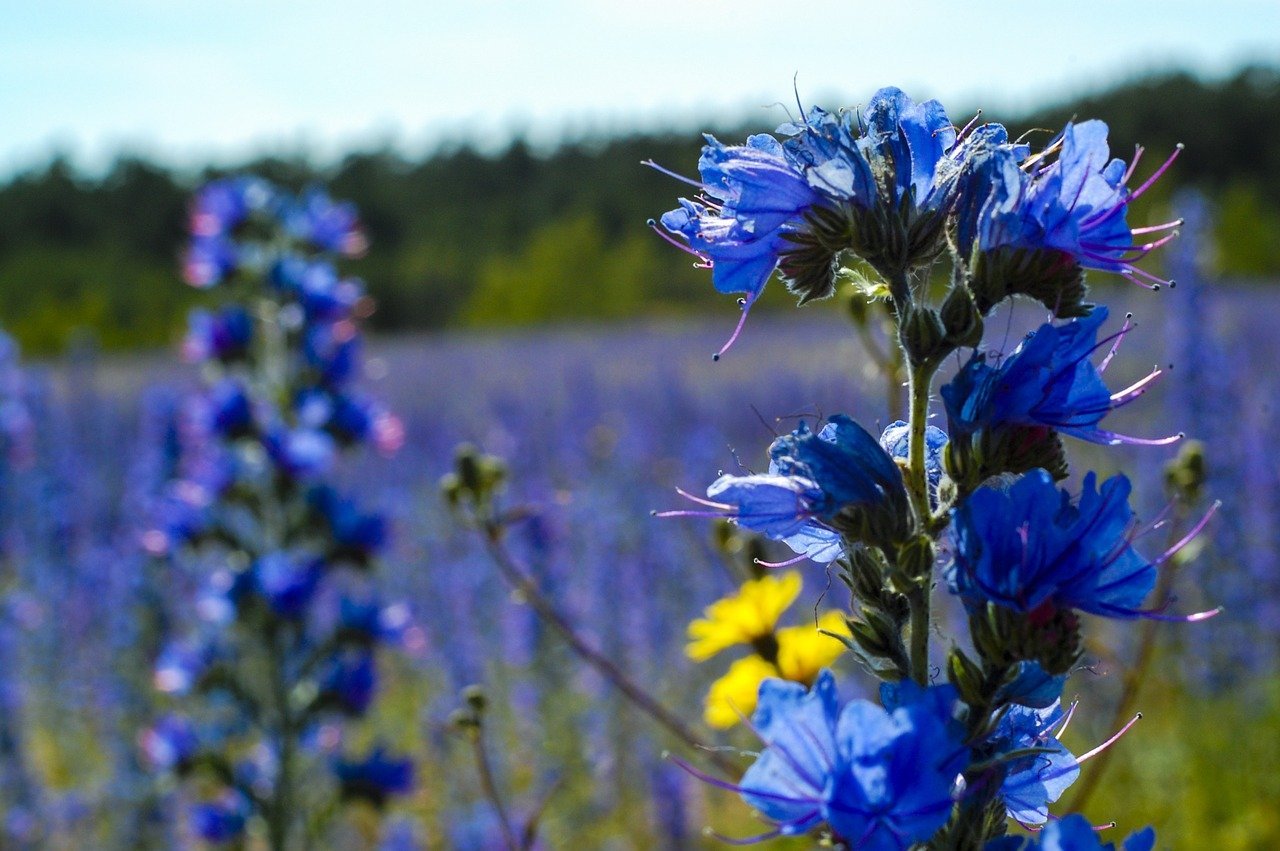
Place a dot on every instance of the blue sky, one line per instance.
(192, 82)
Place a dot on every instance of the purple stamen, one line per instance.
(1177, 149)
(683, 246)
(746, 306)
(776, 564)
(669, 173)
(1133, 391)
(1186, 539)
(1118, 337)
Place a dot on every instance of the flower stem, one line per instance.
(545, 609)
(919, 381)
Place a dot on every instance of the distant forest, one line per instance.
(465, 239)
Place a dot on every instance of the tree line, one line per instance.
(461, 238)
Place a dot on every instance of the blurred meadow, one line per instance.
(524, 307)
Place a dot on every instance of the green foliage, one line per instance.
(460, 236)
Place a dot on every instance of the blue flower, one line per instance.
(1073, 833)
(301, 453)
(896, 440)
(1074, 205)
(1047, 381)
(1032, 686)
(899, 159)
(329, 225)
(881, 778)
(368, 621)
(1034, 781)
(220, 819)
(170, 743)
(209, 260)
(322, 293)
(348, 683)
(356, 535)
(752, 197)
(818, 485)
(286, 582)
(375, 777)
(224, 335)
(1030, 548)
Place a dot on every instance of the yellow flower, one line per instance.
(733, 696)
(744, 617)
(803, 651)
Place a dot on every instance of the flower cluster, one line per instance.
(896, 187)
(891, 184)
(290, 619)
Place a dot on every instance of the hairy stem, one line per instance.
(490, 786)
(917, 483)
(545, 609)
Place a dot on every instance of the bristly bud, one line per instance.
(971, 460)
(474, 697)
(914, 565)
(966, 676)
(1046, 635)
(1185, 475)
(923, 336)
(810, 262)
(477, 477)
(961, 318)
(1053, 278)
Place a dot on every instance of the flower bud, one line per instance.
(960, 317)
(923, 335)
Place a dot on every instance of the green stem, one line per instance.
(919, 383)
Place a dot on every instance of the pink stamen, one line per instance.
(1176, 223)
(1133, 391)
(775, 564)
(746, 306)
(720, 505)
(683, 246)
(669, 173)
(1118, 338)
(1187, 538)
(1109, 742)
(1138, 150)
(1177, 149)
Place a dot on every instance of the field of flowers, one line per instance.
(598, 426)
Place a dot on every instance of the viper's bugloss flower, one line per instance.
(880, 779)
(1032, 686)
(208, 260)
(893, 153)
(323, 294)
(799, 655)
(896, 440)
(370, 622)
(223, 335)
(819, 485)
(227, 411)
(1048, 380)
(375, 777)
(221, 206)
(285, 581)
(301, 453)
(348, 682)
(332, 349)
(169, 743)
(181, 664)
(751, 197)
(327, 224)
(1031, 548)
(1072, 833)
(744, 617)
(1034, 781)
(220, 819)
(1070, 209)
(356, 535)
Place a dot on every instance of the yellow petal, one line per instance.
(749, 614)
(803, 651)
(733, 696)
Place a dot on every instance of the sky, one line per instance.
(191, 83)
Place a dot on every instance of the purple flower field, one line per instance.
(599, 426)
